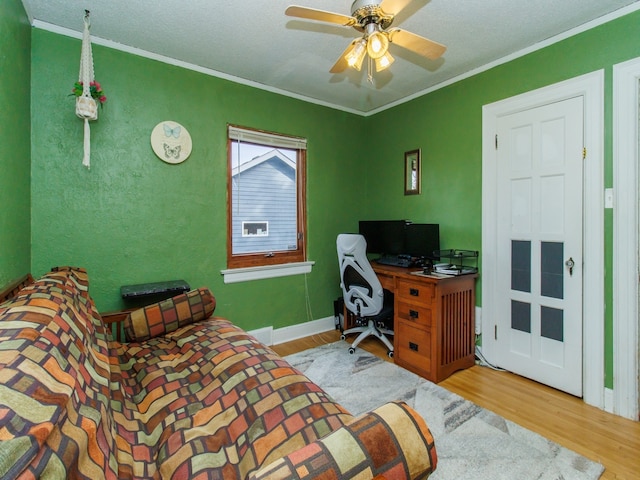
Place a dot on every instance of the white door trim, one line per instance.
(626, 352)
(591, 88)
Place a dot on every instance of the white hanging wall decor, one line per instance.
(88, 92)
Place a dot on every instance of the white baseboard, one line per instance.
(264, 335)
(270, 336)
(608, 400)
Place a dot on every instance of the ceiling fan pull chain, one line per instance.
(369, 69)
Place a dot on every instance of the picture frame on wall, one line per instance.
(412, 174)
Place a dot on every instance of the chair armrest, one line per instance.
(391, 442)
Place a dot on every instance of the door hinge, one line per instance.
(496, 141)
(584, 153)
(495, 332)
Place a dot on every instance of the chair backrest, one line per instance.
(361, 289)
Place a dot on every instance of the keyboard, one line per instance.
(395, 260)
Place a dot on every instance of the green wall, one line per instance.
(15, 147)
(447, 126)
(132, 218)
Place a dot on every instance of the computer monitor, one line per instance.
(422, 239)
(401, 237)
(384, 237)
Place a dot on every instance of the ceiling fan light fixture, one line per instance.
(384, 61)
(377, 44)
(370, 19)
(356, 55)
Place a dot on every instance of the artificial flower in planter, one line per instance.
(87, 106)
(95, 90)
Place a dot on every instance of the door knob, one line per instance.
(570, 264)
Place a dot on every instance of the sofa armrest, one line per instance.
(12, 290)
(114, 321)
(391, 442)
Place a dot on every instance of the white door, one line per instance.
(538, 329)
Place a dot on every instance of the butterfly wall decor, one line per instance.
(171, 142)
(172, 151)
(168, 131)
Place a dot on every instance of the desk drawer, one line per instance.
(413, 346)
(420, 316)
(415, 292)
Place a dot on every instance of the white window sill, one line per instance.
(235, 275)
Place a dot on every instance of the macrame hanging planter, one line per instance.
(86, 103)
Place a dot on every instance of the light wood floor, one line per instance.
(611, 440)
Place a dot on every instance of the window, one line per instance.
(253, 229)
(266, 198)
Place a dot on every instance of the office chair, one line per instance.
(362, 292)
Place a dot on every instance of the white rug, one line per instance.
(472, 443)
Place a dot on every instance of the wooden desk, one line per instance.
(434, 321)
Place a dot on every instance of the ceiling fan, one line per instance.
(372, 18)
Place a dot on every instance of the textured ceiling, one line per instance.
(253, 42)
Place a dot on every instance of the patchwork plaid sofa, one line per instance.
(190, 396)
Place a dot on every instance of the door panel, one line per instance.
(539, 203)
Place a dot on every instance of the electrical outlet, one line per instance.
(478, 321)
(608, 198)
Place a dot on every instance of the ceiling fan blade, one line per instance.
(394, 6)
(341, 65)
(320, 15)
(420, 45)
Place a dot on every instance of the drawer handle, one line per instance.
(413, 346)
(414, 292)
(413, 314)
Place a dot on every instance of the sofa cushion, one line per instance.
(392, 442)
(169, 315)
(210, 401)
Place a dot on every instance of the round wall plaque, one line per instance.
(171, 142)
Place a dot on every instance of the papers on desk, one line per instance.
(454, 269)
(445, 270)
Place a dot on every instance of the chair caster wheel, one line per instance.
(390, 354)
(343, 337)
(352, 350)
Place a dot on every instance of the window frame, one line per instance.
(262, 259)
